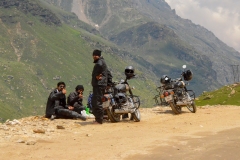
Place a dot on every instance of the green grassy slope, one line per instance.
(227, 95)
(35, 55)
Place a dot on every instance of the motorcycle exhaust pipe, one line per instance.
(183, 103)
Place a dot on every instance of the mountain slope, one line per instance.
(204, 41)
(36, 53)
(164, 49)
(112, 18)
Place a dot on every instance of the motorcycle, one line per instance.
(157, 98)
(176, 94)
(119, 101)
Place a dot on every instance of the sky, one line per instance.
(222, 17)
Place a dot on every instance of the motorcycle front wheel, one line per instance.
(176, 109)
(113, 116)
(192, 108)
(136, 116)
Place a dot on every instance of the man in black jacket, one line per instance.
(74, 100)
(56, 104)
(99, 83)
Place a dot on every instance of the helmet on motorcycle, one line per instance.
(165, 79)
(129, 72)
(187, 75)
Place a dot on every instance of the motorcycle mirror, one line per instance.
(184, 66)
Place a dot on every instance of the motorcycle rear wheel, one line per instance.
(176, 109)
(192, 108)
(112, 116)
(136, 116)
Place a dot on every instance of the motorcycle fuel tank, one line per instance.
(180, 84)
(122, 87)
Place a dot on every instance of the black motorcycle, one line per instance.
(119, 100)
(176, 94)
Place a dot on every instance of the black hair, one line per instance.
(59, 83)
(78, 87)
(97, 52)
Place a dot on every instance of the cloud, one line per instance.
(220, 17)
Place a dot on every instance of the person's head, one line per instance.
(79, 88)
(61, 86)
(96, 54)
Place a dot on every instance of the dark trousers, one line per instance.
(98, 92)
(78, 108)
(66, 113)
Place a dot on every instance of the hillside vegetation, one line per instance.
(227, 95)
(36, 53)
(43, 42)
(132, 23)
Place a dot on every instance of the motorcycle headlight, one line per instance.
(121, 98)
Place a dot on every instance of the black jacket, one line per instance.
(74, 98)
(56, 100)
(109, 78)
(100, 68)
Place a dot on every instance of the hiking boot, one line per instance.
(53, 117)
(96, 123)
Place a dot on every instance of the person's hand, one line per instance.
(64, 91)
(70, 107)
(99, 77)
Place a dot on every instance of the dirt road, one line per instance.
(211, 133)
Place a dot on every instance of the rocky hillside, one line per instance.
(119, 20)
(41, 45)
(203, 40)
(34, 8)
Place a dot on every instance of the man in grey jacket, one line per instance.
(99, 83)
(56, 104)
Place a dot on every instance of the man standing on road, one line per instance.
(99, 83)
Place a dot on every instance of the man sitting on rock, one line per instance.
(74, 100)
(56, 104)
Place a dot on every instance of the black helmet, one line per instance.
(187, 75)
(129, 72)
(165, 79)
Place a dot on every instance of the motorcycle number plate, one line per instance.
(168, 98)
